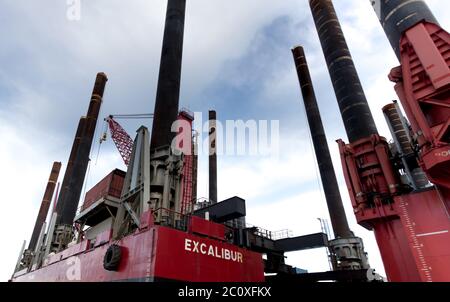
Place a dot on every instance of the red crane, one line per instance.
(121, 138)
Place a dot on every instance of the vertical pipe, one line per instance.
(212, 157)
(397, 16)
(402, 139)
(358, 120)
(328, 176)
(400, 132)
(45, 204)
(67, 207)
(168, 91)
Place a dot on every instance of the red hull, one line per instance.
(156, 253)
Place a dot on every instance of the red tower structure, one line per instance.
(121, 138)
(388, 183)
(187, 145)
(410, 219)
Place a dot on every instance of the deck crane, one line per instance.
(121, 138)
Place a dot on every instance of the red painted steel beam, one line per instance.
(122, 140)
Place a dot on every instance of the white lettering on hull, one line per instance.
(214, 251)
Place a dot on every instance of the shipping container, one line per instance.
(111, 185)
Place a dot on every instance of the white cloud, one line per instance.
(24, 177)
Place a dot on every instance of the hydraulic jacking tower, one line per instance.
(389, 184)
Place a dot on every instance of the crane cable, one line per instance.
(102, 139)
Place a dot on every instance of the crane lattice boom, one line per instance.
(123, 141)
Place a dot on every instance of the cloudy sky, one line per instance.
(237, 60)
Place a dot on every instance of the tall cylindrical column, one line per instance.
(355, 112)
(397, 16)
(45, 205)
(70, 162)
(168, 91)
(68, 203)
(328, 176)
(212, 157)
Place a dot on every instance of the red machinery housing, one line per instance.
(423, 86)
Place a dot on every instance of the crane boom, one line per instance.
(121, 138)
